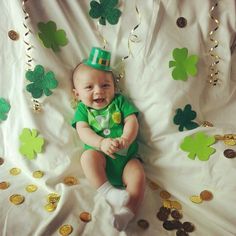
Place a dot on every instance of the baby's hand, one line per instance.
(109, 146)
(123, 142)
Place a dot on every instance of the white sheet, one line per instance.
(149, 84)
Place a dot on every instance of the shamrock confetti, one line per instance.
(105, 10)
(51, 37)
(41, 83)
(4, 109)
(184, 118)
(30, 143)
(183, 64)
(198, 145)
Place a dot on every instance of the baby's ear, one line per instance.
(76, 94)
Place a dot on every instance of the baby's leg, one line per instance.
(134, 178)
(94, 165)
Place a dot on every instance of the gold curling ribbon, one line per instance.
(104, 41)
(213, 77)
(133, 38)
(28, 31)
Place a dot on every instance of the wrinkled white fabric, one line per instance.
(149, 84)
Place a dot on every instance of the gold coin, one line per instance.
(85, 216)
(165, 195)
(50, 207)
(196, 199)
(176, 205)
(65, 230)
(206, 195)
(15, 171)
(230, 142)
(153, 185)
(4, 185)
(38, 174)
(53, 197)
(1, 161)
(17, 199)
(70, 180)
(167, 203)
(13, 35)
(31, 188)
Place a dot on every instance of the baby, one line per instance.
(107, 124)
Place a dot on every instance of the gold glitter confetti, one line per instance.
(31, 188)
(15, 171)
(38, 174)
(17, 199)
(65, 230)
(4, 185)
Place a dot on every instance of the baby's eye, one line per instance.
(106, 85)
(88, 87)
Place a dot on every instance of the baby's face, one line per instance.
(95, 88)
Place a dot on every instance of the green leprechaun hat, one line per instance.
(99, 59)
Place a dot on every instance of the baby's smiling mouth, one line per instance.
(99, 100)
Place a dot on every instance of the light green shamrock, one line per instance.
(198, 145)
(4, 109)
(41, 82)
(30, 143)
(51, 37)
(183, 64)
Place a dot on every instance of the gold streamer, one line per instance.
(104, 41)
(28, 31)
(213, 77)
(133, 38)
(37, 106)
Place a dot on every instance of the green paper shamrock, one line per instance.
(183, 64)
(41, 83)
(4, 108)
(51, 37)
(198, 145)
(30, 143)
(184, 118)
(105, 10)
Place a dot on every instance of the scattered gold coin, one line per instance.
(15, 171)
(167, 203)
(85, 216)
(17, 199)
(50, 207)
(70, 180)
(13, 35)
(153, 185)
(4, 185)
(53, 197)
(176, 205)
(206, 195)
(38, 174)
(165, 195)
(1, 161)
(196, 199)
(65, 230)
(230, 142)
(31, 188)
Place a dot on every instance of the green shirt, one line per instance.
(109, 121)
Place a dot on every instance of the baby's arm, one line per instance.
(130, 131)
(88, 136)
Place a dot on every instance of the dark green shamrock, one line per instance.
(198, 145)
(41, 83)
(183, 64)
(4, 109)
(184, 118)
(51, 37)
(105, 10)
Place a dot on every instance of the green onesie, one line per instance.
(108, 123)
